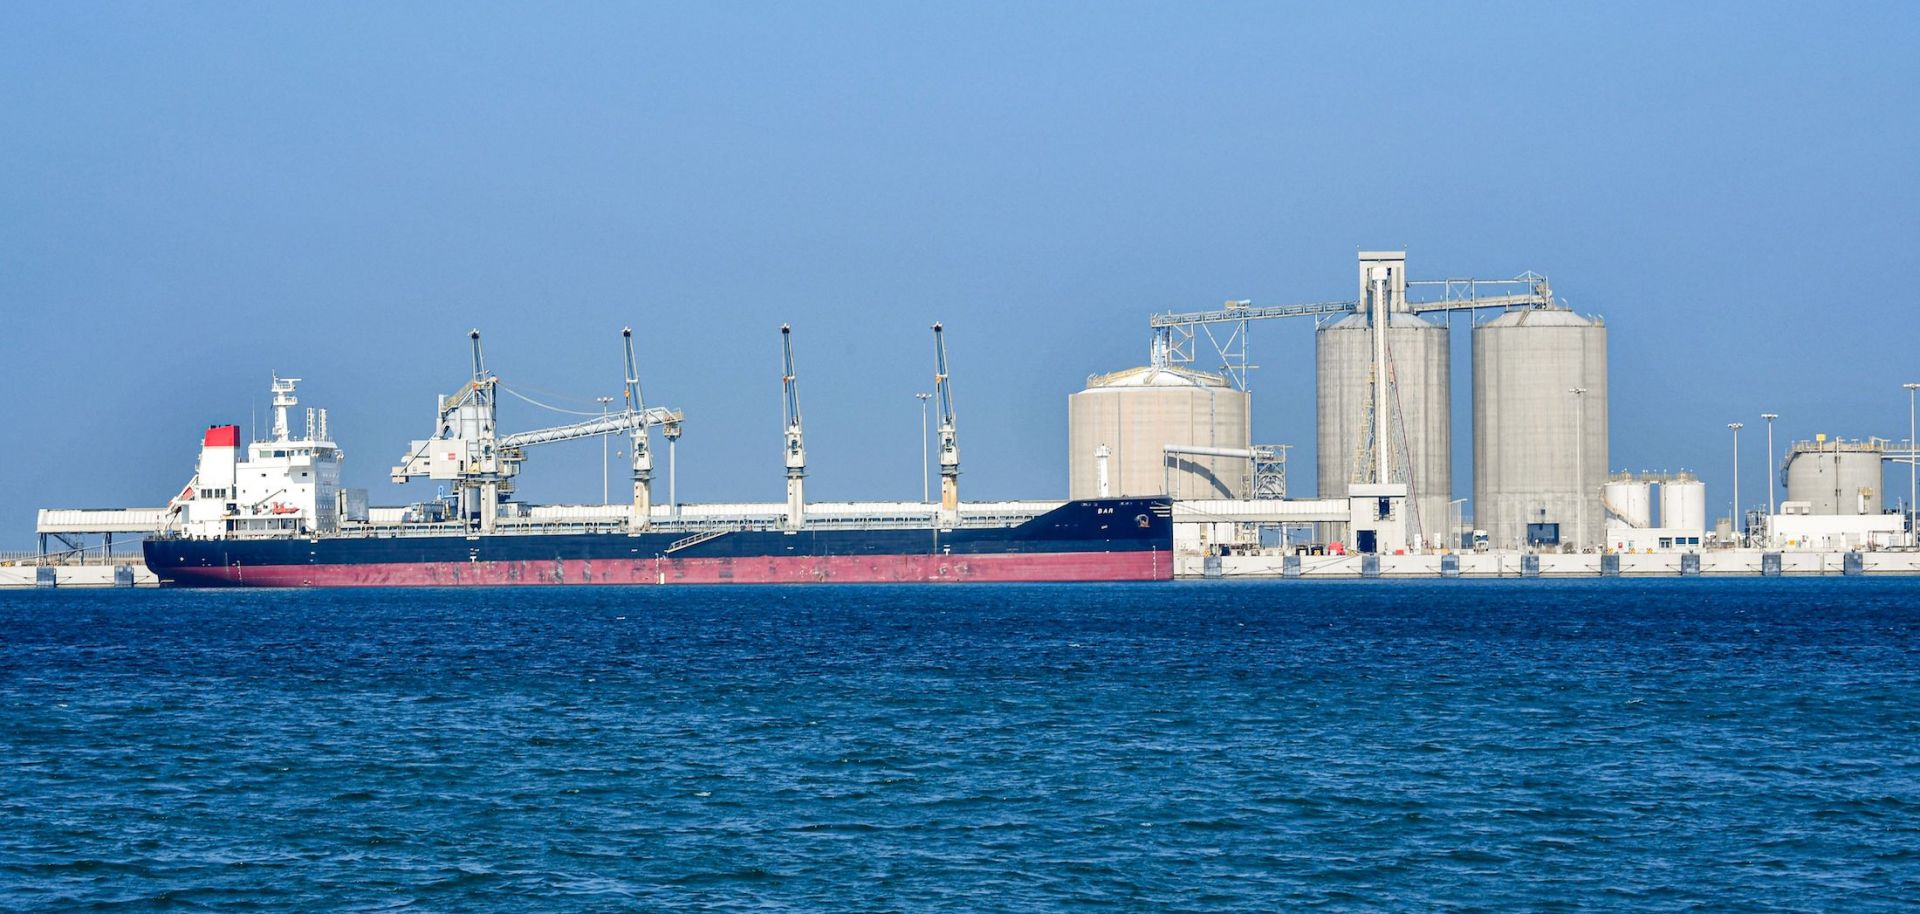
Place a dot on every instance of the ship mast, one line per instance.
(283, 399)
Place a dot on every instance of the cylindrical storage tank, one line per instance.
(1836, 477)
(1628, 500)
(1535, 461)
(1683, 503)
(1135, 414)
(1420, 363)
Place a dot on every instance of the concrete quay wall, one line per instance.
(117, 575)
(1723, 563)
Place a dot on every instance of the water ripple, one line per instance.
(1735, 746)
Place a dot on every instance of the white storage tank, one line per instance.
(1628, 500)
(1134, 414)
(1835, 476)
(1420, 391)
(1683, 503)
(1534, 460)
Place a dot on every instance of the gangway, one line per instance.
(704, 536)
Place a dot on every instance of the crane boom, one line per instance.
(796, 444)
(479, 361)
(949, 441)
(611, 424)
(642, 452)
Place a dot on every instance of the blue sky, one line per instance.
(196, 196)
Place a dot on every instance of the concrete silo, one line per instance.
(1420, 421)
(1835, 476)
(1539, 450)
(1127, 419)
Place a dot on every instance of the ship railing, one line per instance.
(692, 526)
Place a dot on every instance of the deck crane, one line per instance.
(949, 444)
(642, 454)
(796, 444)
(467, 450)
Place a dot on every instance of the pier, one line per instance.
(1712, 563)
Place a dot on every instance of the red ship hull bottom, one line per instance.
(1148, 565)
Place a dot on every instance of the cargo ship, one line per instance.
(274, 514)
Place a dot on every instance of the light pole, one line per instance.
(1580, 462)
(1736, 426)
(673, 473)
(603, 451)
(926, 494)
(1770, 483)
(1913, 456)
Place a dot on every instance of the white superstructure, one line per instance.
(284, 486)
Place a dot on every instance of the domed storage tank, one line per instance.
(1628, 500)
(1533, 460)
(1683, 503)
(1837, 476)
(1136, 413)
(1420, 389)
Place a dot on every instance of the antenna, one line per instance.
(796, 446)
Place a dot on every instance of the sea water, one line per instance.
(1676, 745)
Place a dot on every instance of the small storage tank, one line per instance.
(1835, 476)
(1420, 376)
(1683, 503)
(1534, 461)
(1134, 414)
(1628, 500)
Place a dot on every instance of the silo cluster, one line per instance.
(1126, 420)
(1539, 418)
(1539, 448)
(1420, 388)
